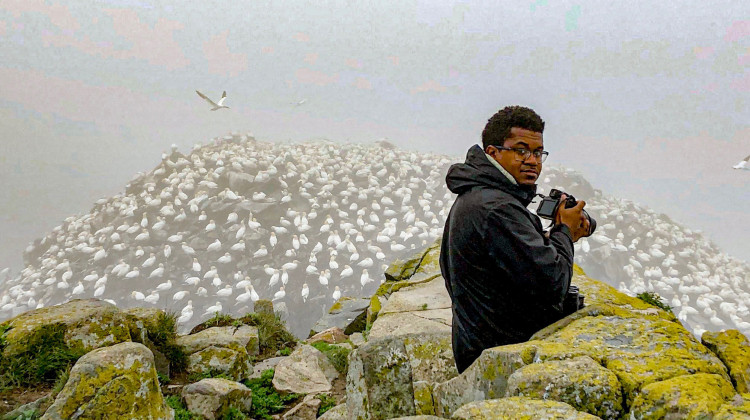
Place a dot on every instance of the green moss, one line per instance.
(180, 411)
(337, 355)
(266, 400)
(654, 299)
(44, 356)
(327, 402)
(233, 413)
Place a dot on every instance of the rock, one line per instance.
(420, 417)
(264, 365)
(212, 397)
(580, 382)
(332, 335)
(733, 349)
(737, 409)
(348, 313)
(84, 324)
(221, 350)
(116, 382)
(141, 321)
(393, 376)
(305, 410)
(514, 408)
(240, 182)
(305, 371)
(338, 412)
(687, 396)
(39, 406)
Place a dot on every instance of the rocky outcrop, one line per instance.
(519, 408)
(305, 371)
(116, 382)
(221, 350)
(212, 397)
(84, 325)
(733, 349)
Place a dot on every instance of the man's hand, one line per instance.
(573, 218)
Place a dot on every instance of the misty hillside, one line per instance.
(303, 224)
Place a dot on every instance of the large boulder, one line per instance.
(689, 396)
(305, 371)
(213, 397)
(83, 324)
(338, 412)
(347, 313)
(394, 376)
(580, 382)
(307, 409)
(736, 409)
(514, 408)
(221, 350)
(733, 349)
(116, 382)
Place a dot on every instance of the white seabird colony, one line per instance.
(303, 224)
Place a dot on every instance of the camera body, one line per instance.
(573, 301)
(550, 204)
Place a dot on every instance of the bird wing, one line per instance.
(223, 97)
(206, 98)
(747, 159)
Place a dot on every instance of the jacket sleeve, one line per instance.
(536, 264)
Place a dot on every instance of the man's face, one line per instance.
(526, 171)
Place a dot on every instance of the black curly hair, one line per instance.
(499, 125)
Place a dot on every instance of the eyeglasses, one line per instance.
(523, 153)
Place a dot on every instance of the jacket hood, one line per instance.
(477, 171)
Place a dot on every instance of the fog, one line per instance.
(647, 100)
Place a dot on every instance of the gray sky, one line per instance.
(649, 101)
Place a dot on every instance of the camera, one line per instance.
(573, 301)
(549, 205)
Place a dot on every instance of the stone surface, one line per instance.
(338, 412)
(689, 396)
(347, 313)
(212, 397)
(305, 410)
(733, 349)
(116, 382)
(264, 365)
(736, 409)
(357, 339)
(87, 324)
(419, 297)
(332, 335)
(224, 350)
(519, 408)
(420, 417)
(401, 323)
(580, 382)
(305, 371)
(39, 406)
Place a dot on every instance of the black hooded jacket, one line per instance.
(505, 278)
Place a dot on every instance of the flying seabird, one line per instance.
(215, 105)
(744, 164)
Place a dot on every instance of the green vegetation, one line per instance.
(272, 333)
(337, 355)
(45, 357)
(62, 379)
(654, 299)
(164, 337)
(180, 411)
(234, 413)
(327, 402)
(218, 320)
(28, 415)
(266, 400)
(286, 351)
(424, 306)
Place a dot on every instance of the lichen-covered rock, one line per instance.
(733, 349)
(338, 412)
(141, 321)
(307, 409)
(519, 408)
(87, 323)
(485, 379)
(736, 409)
(305, 371)
(379, 381)
(264, 365)
(688, 396)
(347, 313)
(398, 371)
(212, 397)
(332, 335)
(639, 351)
(116, 382)
(420, 417)
(580, 382)
(221, 350)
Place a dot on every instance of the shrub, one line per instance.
(164, 337)
(654, 299)
(272, 333)
(266, 400)
(337, 355)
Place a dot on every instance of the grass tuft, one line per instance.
(180, 411)
(327, 402)
(654, 299)
(337, 355)
(272, 333)
(266, 400)
(164, 337)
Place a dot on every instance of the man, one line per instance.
(504, 274)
